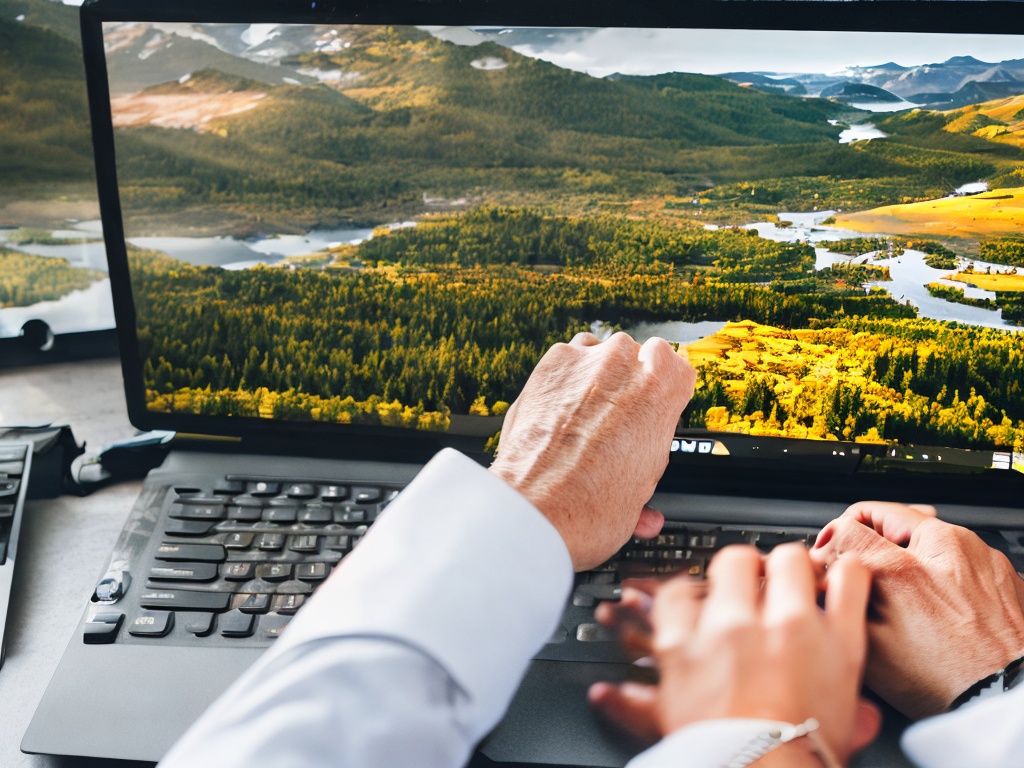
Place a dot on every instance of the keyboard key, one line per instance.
(204, 553)
(288, 604)
(311, 514)
(311, 571)
(12, 452)
(294, 588)
(112, 587)
(264, 488)
(192, 511)
(272, 625)
(727, 537)
(6, 510)
(300, 491)
(238, 571)
(280, 514)
(595, 633)
(183, 600)
(270, 541)
(366, 495)
(229, 487)
(238, 540)
(255, 604)
(350, 516)
(184, 572)
(304, 543)
(236, 624)
(178, 527)
(702, 541)
(274, 571)
(334, 492)
(768, 540)
(151, 624)
(669, 540)
(198, 624)
(102, 628)
(338, 543)
(600, 591)
(245, 514)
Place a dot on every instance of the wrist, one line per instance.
(793, 754)
(787, 744)
(998, 682)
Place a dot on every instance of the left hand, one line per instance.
(734, 649)
(589, 437)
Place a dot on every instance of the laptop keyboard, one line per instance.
(231, 563)
(14, 471)
(236, 561)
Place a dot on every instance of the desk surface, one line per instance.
(64, 542)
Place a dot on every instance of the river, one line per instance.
(909, 272)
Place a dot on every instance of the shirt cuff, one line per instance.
(706, 744)
(460, 566)
(989, 733)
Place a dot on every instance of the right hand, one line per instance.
(948, 610)
(732, 648)
(589, 437)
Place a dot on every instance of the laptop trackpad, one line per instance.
(550, 722)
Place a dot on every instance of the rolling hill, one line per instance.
(44, 119)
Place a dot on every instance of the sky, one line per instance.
(652, 51)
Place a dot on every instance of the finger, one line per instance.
(649, 523)
(791, 587)
(633, 607)
(895, 522)
(584, 339)
(629, 619)
(657, 355)
(847, 590)
(647, 586)
(734, 579)
(677, 608)
(866, 725)
(846, 534)
(633, 707)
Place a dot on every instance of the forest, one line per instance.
(26, 279)
(419, 324)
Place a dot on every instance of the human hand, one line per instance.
(589, 437)
(730, 648)
(947, 609)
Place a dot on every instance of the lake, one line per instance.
(90, 309)
(231, 253)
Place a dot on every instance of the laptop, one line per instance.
(340, 235)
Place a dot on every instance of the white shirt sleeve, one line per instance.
(413, 648)
(989, 733)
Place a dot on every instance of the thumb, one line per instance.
(648, 525)
(632, 707)
(866, 725)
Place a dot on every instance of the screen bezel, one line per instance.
(921, 16)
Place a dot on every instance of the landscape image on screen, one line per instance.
(390, 225)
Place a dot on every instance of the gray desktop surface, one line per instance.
(65, 542)
(66, 545)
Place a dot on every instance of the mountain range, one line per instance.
(957, 82)
(299, 117)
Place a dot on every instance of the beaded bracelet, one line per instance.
(783, 733)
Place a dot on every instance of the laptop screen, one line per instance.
(383, 227)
